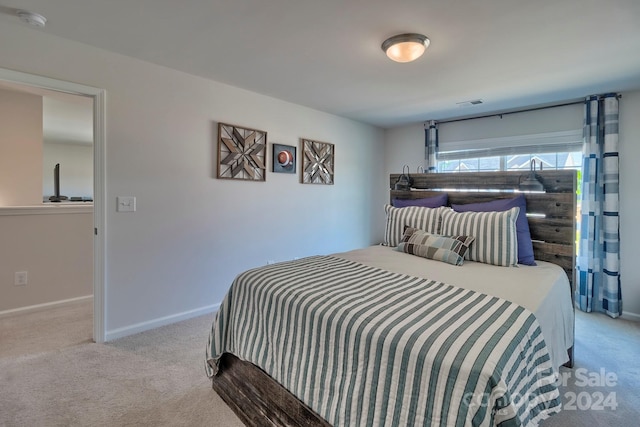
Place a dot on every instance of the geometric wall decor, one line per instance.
(317, 162)
(284, 158)
(242, 153)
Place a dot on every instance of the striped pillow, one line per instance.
(427, 219)
(450, 249)
(495, 232)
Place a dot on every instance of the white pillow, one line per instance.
(427, 219)
(495, 232)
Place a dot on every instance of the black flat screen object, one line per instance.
(56, 185)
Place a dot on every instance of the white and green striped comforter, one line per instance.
(367, 347)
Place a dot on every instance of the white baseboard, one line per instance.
(156, 323)
(631, 316)
(46, 305)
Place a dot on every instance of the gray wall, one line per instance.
(192, 233)
(20, 148)
(54, 246)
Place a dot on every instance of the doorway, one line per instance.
(98, 97)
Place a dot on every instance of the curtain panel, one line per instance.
(431, 146)
(598, 263)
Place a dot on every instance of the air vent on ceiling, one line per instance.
(469, 103)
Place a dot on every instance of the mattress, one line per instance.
(543, 289)
(364, 345)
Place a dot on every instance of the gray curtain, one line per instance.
(431, 146)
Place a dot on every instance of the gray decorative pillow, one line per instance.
(495, 232)
(427, 219)
(449, 249)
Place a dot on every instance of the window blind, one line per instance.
(550, 142)
(555, 129)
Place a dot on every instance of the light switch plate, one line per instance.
(126, 204)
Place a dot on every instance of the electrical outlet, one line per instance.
(20, 278)
(270, 262)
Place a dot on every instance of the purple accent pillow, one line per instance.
(427, 202)
(525, 246)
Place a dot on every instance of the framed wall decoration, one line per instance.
(284, 158)
(242, 153)
(317, 162)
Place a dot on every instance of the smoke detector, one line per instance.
(32, 18)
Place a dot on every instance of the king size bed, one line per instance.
(441, 325)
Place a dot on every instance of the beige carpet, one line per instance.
(49, 329)
(604, 347)
(156, 378)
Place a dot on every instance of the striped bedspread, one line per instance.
(363, 346)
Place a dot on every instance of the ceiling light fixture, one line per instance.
(405, 47)
(32, 18)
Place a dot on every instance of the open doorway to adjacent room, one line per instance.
(51, 192)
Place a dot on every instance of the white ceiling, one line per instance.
(326, 54)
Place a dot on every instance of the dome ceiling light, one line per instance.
(405, 47)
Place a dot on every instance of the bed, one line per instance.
(379, 337)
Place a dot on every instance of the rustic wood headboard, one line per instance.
(552, 215)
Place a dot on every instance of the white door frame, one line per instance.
(99, 181)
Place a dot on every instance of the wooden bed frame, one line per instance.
(258, 400)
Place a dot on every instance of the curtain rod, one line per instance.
(512, 112)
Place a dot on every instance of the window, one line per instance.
(552, 136)
(557, 160)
